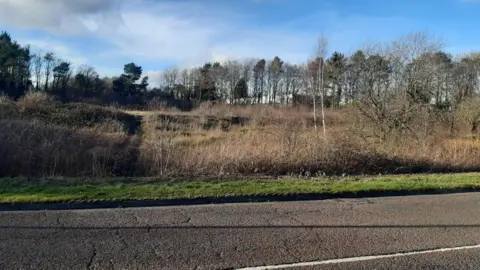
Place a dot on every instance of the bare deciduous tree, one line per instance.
(396, 85)
(49, 59)
(37, 69)
(85, 78)
(233, 75)
(170, 78)
(320, 53)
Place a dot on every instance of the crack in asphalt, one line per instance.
(352, 203)
(185, 238)
(269, 221)
(92, 257)
(335, 255)
(122, 240)
(289, 250)
(161, 253)
(57, 228)
(59, 224)
(290, 215)
(294, 218)
(187, 217)
(48, 235)
(187, 221)
(137, 219)
(139, 222)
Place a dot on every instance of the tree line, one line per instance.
(22, 71)
(413, 68)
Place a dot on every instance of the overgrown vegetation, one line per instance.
(402, 107)
(44, 140)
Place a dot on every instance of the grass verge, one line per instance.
(21, 190)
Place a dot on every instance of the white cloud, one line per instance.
(181, 32)
(60, 16)
(184, 32)
(191, 34)
(60, 50)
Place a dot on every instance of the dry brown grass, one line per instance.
(39, 149)
(218, 141)
(287, 144)
(43, 137)
(4, 99)
(109, 126)
(36, 100)
(8, 108)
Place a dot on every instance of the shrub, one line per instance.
(8, 109)
(35, 148)
(33, 99)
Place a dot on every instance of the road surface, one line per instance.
(415, 232)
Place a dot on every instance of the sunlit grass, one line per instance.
(19, 190)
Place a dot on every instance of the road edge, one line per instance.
(223, 200)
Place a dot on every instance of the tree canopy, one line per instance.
(412, 68)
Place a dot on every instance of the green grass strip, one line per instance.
(21, 190)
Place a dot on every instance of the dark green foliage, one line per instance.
(258, 80)
(126, 84)
(49, 58)
(205, 89)
(61, 77)
(14, 67)
(132, 72)
(336, 69)
(353, 76)
(241, 90)
(275, 70)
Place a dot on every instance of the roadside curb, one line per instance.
(224, 200)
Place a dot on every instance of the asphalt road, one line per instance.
(249, 235)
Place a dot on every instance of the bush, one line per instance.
(35, 148)
(38, 106)
(8, 108)
(76, 139)
(4, 99)
(36, 99)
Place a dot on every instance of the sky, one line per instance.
(158, 34)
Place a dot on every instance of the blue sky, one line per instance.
(157, 34)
